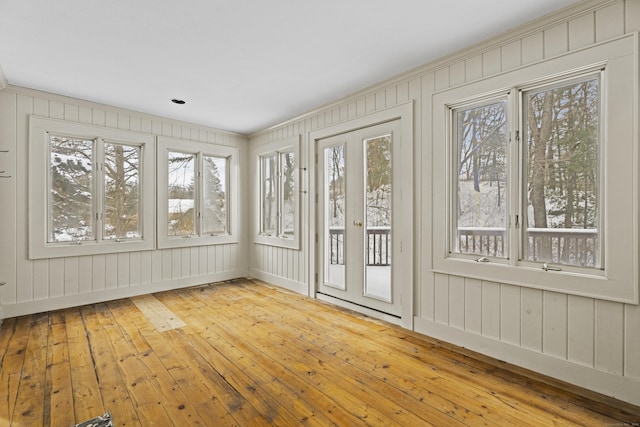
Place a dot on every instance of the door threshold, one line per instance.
(371, 312)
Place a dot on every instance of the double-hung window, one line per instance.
(278, 168)
(537, 172)
(88, 189)
(197, 186)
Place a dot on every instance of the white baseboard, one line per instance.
(300, 288)
(63, 302)
(619, 387)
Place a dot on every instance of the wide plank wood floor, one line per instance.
(243, 353)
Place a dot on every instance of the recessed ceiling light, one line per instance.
(177, 101)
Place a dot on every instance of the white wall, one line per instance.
(589, 342)
(40, 285)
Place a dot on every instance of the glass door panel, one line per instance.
(335, 214)
(378, 201)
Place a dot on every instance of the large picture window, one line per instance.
(75, 209)
(278, 193)
(536, 169)
(197, 186)
(94, 189)
(557, 162)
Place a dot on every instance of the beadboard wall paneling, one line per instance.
(8, 194)
(38, 285)
(582, 340)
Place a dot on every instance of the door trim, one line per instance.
(404, 113)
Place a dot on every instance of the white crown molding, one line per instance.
(3, 80)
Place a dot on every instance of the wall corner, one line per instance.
(3, 80)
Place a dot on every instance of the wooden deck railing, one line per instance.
(555, 245)
(377, 252)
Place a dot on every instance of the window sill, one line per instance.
(184, 242)
(60, 250)
(596, 285)
(282, 242)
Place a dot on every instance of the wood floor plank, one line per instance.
(157, 313)
(323, 375)
(390, 373)
(420, 405)
(274, 387)
(273, 374)
(251, 354)
(174, 405)
(114, 390)
(376, 358)
(13, 338)
(547, 411)
(192, 382)
(143, 396)
(150, 342)
(58, 378)
(548, 408)
(30, 400)
(230, 396)
(87, 398)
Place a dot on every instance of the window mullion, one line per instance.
(516, 177)
(98, 188)
(279, 228)
(199, 202)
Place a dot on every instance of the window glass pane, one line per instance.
(269, 189)
(181, 194)
(335, 194)
(214, 214)
(378, 217)
(70, 207)
(288, 188)
(480, 187)
(121, 192)
(562, 197)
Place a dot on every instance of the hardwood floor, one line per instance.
(245, 353)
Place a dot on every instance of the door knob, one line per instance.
(357, 223)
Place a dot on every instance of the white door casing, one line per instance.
(397, 306)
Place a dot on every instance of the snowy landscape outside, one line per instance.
(560, 174)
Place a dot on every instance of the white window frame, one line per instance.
(618, 279)
(286, 145)
(166, 145)
(40, 129)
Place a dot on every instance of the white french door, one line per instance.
(357, 201)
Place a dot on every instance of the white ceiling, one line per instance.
(240, 65)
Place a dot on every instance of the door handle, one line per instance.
(357, 223)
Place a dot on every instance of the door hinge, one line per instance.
(316, 277)
(316, 237)
(316, 158)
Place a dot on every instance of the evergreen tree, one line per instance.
(71, 199)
